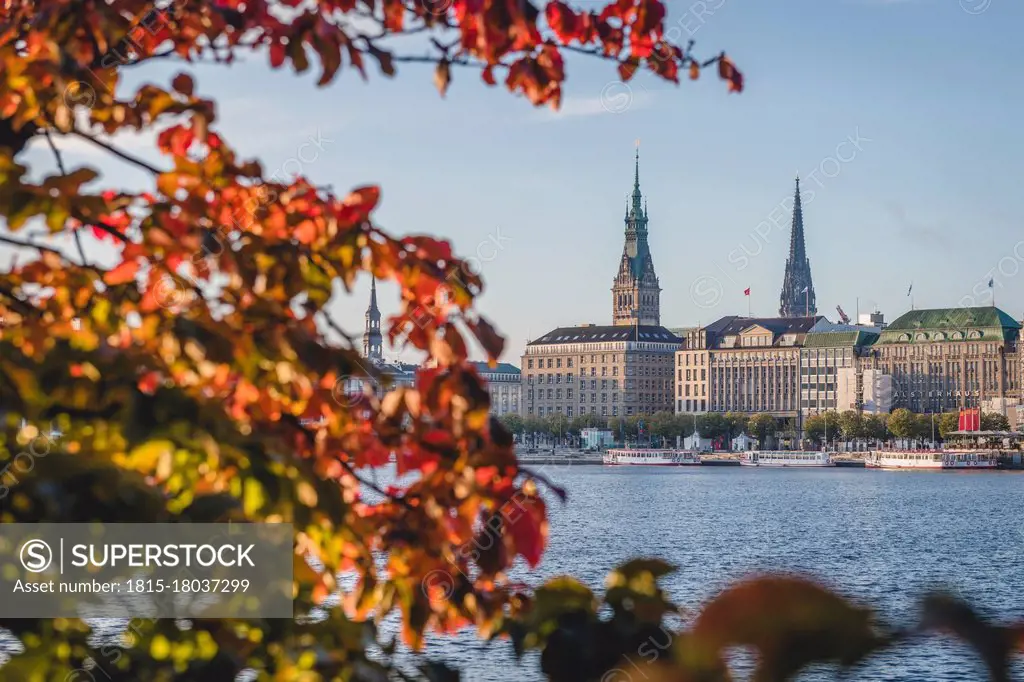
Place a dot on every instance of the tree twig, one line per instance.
(63, 171)
(118, 153)
(556, 489)
(31, 245)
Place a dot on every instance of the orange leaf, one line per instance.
(125, 272)
(442, 76)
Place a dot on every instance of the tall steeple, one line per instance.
(635, 291)
(636, 182)
(797, 299)
(373, 344)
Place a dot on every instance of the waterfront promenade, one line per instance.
(569, 457)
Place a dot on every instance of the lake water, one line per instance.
(880, 537)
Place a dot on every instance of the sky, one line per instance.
(902, 118)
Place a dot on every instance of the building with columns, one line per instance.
(743, 364)
(504, 385)
(618, 370)
(797, 299)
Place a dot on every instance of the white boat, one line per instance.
(931, 459)
(785, 458)
(643, 457)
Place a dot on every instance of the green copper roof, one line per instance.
(839, 339)
(952, 324)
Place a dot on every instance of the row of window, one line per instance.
(541, 411)
(684, 359)
(953, 350)
(556, 378)
(556, 394)
(556, 363)
(692, 406)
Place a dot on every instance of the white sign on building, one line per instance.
(872, 390)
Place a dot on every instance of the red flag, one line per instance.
(746, 292)
(970, 419)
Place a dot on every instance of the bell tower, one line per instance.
(373, 344)
(636, 294)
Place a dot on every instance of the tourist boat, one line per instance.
(645, 457)
(931, 459)
(785, 458)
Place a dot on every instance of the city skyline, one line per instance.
(537, 196)
(905, 199)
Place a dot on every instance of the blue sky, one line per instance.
(930, 193)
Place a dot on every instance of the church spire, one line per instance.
(373, 343)
(797, 248)
(797, 299)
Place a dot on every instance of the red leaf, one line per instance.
(489, 338)
(394, 15)
(276, 55)
(728, 71)
(527, 522)
(183, 84)
(356, 207)
(149, 382)
(563, 21)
